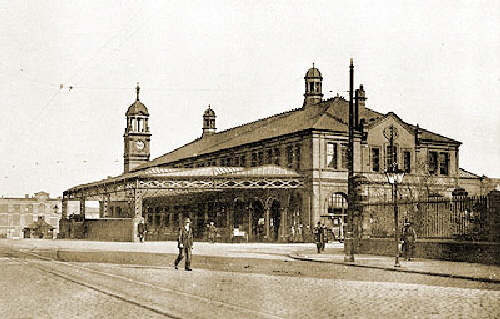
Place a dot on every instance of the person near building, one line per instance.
(326, 232)
(141, 230)
(319, 237)
(211, 232)
(408, 237)
(185, 245)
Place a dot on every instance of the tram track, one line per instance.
(170, 303)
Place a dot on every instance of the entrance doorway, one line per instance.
(274, 220)
(258, 224)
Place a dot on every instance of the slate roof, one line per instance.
(331, 115)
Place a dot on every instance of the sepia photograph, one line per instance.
(250, 159)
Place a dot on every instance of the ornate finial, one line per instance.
(313, 65)
(137, 89)
(209, 105)
(351, 62)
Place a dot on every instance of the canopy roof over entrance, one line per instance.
(268, 176)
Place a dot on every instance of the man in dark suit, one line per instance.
(185, 244)
(319, 237)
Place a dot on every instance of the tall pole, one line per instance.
(395, 199)
(349, 241)
(396, 226)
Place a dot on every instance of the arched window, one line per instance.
(337, 203)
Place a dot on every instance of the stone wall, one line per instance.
(109, 229)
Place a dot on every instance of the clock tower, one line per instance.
(137, 137)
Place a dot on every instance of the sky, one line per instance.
(68, 71)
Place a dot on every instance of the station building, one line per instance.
(269, 180)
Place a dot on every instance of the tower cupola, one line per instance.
(314, 86)
(209, 122)
(137, 136)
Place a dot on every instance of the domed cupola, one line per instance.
(137, 136)
(313, 91)
(137, 108)
(209, 122)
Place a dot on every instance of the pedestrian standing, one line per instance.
(185, 244)
(319, 237)
(211, 232)
(140, 231)
(408, 238)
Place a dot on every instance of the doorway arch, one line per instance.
(274, 219)
(257, 220)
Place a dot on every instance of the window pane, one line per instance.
(376, 159)
(406, 160)
(444, 160)
(345, 156)
(433, 163)
(331, 155)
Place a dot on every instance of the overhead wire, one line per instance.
(52, 102)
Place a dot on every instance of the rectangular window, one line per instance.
(269, 156)
(406, 161)
(444, 163)
(289, 156)
(433, 163)
(243, 161)
(222, 162)
(332, 155)
(345, 156)
(260, 158)
(297, 157)
(254, 159)
(376, 159)
(277, 155)
(392, 156)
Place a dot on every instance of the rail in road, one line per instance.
(160, 300)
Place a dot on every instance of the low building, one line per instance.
(39, 229)
(18, 213)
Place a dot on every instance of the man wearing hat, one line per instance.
(185, 244)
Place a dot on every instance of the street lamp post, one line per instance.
(394, 177)
(349, 240)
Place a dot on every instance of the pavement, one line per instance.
(463, 270)
(154, 252)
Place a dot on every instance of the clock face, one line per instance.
(139, 145)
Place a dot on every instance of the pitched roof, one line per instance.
(424, 135)
(280, 124)
(332, 115)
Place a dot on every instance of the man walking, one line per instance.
(185, 244)
(211, 232)
(319, 237)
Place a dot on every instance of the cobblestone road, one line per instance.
(227, 285)
(306, 297)
(203, 292)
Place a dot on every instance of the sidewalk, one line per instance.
(431, 267)
(157, 253)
